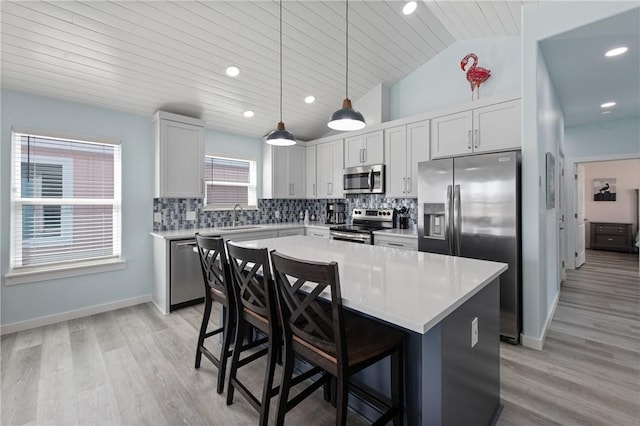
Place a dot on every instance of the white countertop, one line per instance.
(411, 289)
(189, 233)
(397, 232)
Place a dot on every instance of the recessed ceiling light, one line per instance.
(233, 71)
(617, 51)
(248, 114)
(608, 111)
(607, 105)
(310, 99)
(409, 7)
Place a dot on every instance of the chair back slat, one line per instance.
(299, 285)
(252, 281)
(213, 260)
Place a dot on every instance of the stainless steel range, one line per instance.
(365, 221)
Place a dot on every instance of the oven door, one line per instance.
(364, 179)
(354, 237)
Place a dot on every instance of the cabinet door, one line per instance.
(353, 151)
(280, 172)
(395, 145)
(310, 181)
(374, 148)
(181, 160)
(336, 169)
(417, 151)
(497, 127)
(324, 170)
(451, 135)
(297, 160)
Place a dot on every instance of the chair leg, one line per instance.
(397, 384)
(285, 385)
(226, 343)
(203, 330)
(235, 358)
(343, 399)
(272, 357)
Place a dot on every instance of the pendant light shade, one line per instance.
(346, 118)
(280, 136)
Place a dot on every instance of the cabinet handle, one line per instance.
(469, 139)
(404, 185)
(609, 239)
(328, 192)
(314, 190)
(408, 185)
(394, 244)
(364, 155)
(477, 139)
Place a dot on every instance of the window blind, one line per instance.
(229, 181)
(65, 204)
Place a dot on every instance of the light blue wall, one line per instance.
(609, 138)
(441, 83)
(246, 147)
(29, 301)
(541, 21)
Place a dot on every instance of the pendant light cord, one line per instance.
(281, 61)
(346, 83)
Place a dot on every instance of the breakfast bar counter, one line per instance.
(436, 299)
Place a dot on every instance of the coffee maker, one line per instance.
(336, 213)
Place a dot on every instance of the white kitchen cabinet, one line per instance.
(402, 243)
(487, 129)
(311, 178)
(405, 147)
(364, 149)
(291, 232)
(329, 169)
(179, 156)
(317, 232)
(283, 171)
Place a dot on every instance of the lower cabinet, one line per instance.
(395, 242)
(291, 232)
(318, 232)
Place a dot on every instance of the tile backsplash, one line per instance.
(170, 214)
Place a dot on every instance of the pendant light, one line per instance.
(346, 118)
(280, 136)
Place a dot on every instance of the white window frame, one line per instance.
(252, 191)
(26, 274)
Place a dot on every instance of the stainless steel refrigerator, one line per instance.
(470, 207)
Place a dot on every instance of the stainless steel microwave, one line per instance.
(364, 179)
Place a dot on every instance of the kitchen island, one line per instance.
(435, 299)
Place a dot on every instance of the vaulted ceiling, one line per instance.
(141, 56)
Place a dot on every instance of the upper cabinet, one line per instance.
(283, 171)
(364, 149)
(405, 147)
(491, 128)
(179, 156)
(311, 179)
(329, 164)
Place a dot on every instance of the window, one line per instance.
(65, 202)
(229, 181)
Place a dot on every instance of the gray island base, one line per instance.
(435, 299)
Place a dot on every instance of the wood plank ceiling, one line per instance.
(141, 56)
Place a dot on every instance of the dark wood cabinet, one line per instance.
(612, 236)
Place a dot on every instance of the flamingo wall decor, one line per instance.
(475, 75)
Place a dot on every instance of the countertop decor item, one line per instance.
(280, 136)
(475, 75)
(346, 118)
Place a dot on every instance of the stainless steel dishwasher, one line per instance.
(187, 287)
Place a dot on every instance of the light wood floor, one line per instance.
(135, 366)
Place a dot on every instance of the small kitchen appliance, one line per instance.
(336, 213)
(365, 221)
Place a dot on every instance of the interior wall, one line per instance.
(441, 83)
(624, 209)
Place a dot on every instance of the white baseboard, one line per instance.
(538, 342)
(78, 313)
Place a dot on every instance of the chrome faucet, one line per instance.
(234, 217)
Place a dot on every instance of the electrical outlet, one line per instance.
(474, 332)
(277, 214)
(157, 217)
(191, 215)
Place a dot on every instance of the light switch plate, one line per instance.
(157, 217)
(191, 215)
(277, 214)
(474, 332)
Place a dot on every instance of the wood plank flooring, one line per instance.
(589, 370)
(135, 366)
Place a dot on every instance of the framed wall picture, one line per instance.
(604, 189)
(551, 180)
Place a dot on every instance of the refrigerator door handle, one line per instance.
(457, 218)
(447, 220)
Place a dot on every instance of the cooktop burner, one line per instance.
(356, 228)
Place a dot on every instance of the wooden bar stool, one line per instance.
(338, 341)
(217, 283)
